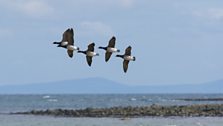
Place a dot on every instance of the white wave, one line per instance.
(46, 97)
(133, 99)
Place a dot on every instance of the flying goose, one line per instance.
(127, 57)
(68, 42)
(110, 48)
(89, 53)
(64, 42)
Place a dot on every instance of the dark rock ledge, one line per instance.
(201, 99)
(210, 110)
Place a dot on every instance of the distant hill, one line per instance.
(100, 85)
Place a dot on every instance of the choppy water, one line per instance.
(15, 103)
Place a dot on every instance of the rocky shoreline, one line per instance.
(201, 99)
(211, 110)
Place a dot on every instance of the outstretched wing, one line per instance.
(128, 51)
(65, 36)
(70, 53)
(89, 60)
(70, 37)
(125, 65)
(107, 56)
(91, 47)
(112, 42)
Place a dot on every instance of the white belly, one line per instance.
(71, 47)
(129, 58)
(64, 43)
(112, 50)
(89, 53)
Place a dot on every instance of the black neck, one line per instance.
(84, 52)
(56, 42)
(105, 48)
(122, 56)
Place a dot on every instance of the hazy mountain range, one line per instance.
(100, 85)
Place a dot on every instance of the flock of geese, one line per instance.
(67, 42)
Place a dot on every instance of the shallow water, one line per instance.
(29, 120)
(15, 103)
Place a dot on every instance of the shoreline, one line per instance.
(201, 99)
(201, 110)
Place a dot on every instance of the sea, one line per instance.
(21, 103)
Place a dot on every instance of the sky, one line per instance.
(174, 41)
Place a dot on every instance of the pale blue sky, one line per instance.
(174, 41)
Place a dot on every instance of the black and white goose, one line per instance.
(110, 48)
(64, 42)
(89, 53)
(68, 42)
(127, 57)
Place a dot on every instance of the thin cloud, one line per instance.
(96, 28)
(127, 3)
(104, 3)
(212, 13)
(33, 8)
(36, 8)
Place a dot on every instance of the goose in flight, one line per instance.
(89, 53)
(127, 57)
(110, 48)
(67, 42)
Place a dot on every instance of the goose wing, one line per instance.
(70, 53)
(128, 51)
(125, 65)
(65, 36)
(107, 56)
(91, 47)
(89, 60)
(70, 36)
(112, 42)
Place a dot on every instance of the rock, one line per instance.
(129, 111)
